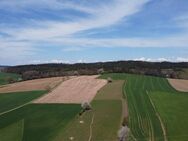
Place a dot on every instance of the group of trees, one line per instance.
(164, 69)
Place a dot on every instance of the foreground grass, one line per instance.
(13, 132)
(41, 121)
(106, 115)
(5, 77)
(173, 110)
(143, 120)
(12, 100)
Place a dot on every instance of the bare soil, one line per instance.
(76, 90)
(37, 84)
(179, 84)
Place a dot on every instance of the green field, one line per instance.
(12, 100)
(106, 114)
(173, 110)
(36, 122)
(152, 104)
(6, 77)
(21, 121)
(141, 91)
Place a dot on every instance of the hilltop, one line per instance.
(162, 69)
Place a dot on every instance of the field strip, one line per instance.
(161, 122)
(90, 127)
(125, 112)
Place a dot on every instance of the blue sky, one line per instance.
(71, 31)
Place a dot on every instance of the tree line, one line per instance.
(163, 69)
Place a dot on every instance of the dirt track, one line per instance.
(179, 84)
(37, 84)
(75, 90)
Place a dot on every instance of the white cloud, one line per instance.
(182, 59)
(162, 59)
(23, 41)
(23, 5)
(14, 49)
(142, 59)
(76, 44)
(49, 61)
(102, 16)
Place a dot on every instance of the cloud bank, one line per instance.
(75, 20)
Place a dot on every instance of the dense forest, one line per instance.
(163, 69)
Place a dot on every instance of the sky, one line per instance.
(76, 31)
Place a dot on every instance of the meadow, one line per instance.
(157, 112)
(9, 101)
(151, 101)
(36, 122)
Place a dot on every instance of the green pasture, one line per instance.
(59, 122)
(6, 77)
(173, 109)
(36, 122)
(12, 100)
(171, 105)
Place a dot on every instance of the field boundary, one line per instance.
(14, 109)
(90, 127)
(30, 102)
(159, 117)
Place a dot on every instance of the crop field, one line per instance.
(103, 122)
(32, 85)
(20, 120)
(173, 109)
(156, 111)
(5, 77)
(36, 122)
(75, 90)
(9, 101)
(150, 116)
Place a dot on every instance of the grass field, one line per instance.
(144, 121)
(106, 114)
(173, 110)
(12, 132)
(10, 101)
(157, 112)
(5, 77)
(36, 122)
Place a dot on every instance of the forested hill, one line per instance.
(164, 69)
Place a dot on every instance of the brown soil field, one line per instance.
(179, 84)
(76, 90)
(37, 84)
